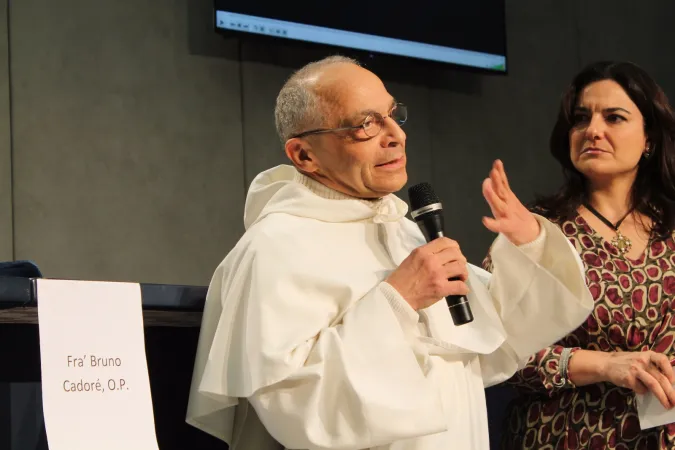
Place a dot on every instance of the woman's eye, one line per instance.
(579, 118)
(615, 118)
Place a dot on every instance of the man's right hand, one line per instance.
(430, 273)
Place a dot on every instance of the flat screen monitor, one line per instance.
(463, 33)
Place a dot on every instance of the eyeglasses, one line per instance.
(371, 126)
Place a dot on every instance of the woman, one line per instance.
(615, 140)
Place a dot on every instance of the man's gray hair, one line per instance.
(299, 106)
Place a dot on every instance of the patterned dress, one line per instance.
(634, 311)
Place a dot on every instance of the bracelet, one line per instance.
(563, 366)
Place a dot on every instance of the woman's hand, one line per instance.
(642, 372)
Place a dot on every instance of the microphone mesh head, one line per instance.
(422, 195)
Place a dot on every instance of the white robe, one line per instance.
(302, 334)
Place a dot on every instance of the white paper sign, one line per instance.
(651, 412)
(95, 385)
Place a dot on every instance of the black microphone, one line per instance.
(427, 211)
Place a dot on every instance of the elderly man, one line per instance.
(325, 328)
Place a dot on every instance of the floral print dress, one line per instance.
(634, 304)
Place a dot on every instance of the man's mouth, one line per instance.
(392, 162)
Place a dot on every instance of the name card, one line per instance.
(95, 385)
(651, 412)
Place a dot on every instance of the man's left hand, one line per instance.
(511, 217)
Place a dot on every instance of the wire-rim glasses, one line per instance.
(372, 124)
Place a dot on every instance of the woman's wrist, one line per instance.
(588, 367)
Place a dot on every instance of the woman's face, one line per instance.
(608, 137)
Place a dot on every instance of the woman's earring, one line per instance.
(647, 153)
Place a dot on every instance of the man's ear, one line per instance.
(301, 154)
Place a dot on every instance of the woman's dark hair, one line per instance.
(653, 192)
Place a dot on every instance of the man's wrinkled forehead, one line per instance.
(350, 99)
(334, 98)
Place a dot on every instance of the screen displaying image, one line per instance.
(463, 33)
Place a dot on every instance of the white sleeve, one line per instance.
(540, 294)
(325, 365)
(361, 384)
(535, 249)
